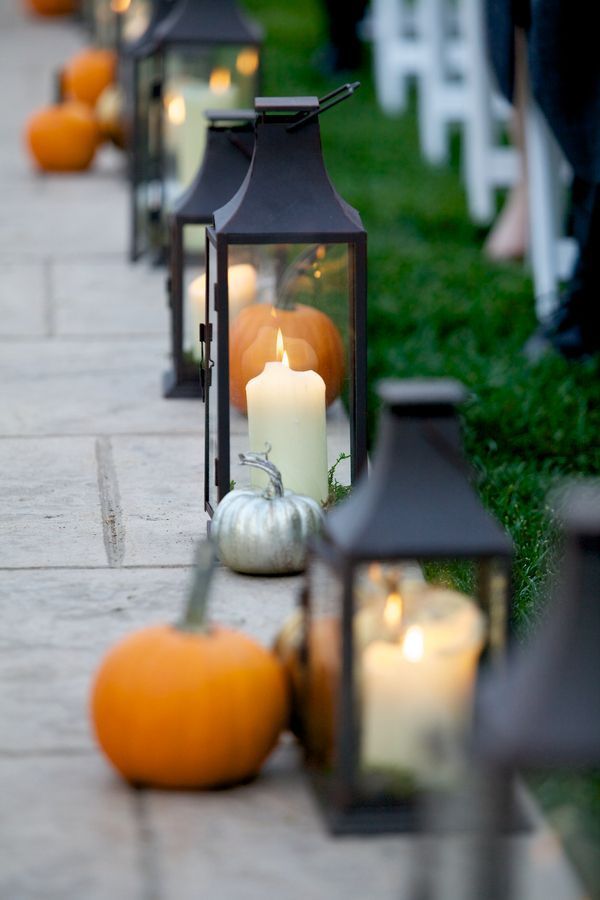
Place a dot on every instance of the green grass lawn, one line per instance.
(436, 307)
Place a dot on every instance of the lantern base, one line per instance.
(182, 390)
(402, 817)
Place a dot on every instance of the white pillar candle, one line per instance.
(417, 689)
(186, 101)
(286, 409)
(242, 292)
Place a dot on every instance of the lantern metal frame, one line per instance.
(286, 198)
(417, 503)
(229, 146)
(189, 25)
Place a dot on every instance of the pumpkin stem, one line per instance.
(261, 461)
(194, 618)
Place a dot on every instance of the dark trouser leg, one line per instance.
(574, 329)
(343, 18)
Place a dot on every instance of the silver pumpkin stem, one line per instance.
(194, 618)
(261, 461)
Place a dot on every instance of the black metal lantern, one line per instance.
(204, 55)
(229, 146)
(275, 361)
(391, 643)
(541, 714)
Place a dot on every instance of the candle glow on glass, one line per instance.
(220, 80)
(175, 107)
(247, 61)
(392, 613)
(413, 644)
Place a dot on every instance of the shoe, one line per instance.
(568, 332)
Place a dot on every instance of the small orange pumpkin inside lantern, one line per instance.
(312, 341)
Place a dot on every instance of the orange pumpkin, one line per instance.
(88, 73)
(189, 706)
(63, 138)
(313, 690)
(252, 341)
(52, 7)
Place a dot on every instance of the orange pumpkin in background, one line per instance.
(311, 341)
(88, 74)
(190, 705)
(63, 138)
(52, 7)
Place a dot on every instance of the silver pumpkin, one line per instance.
(264, 533)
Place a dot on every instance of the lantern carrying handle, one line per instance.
(327, 102)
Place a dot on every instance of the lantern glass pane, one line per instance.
(323, 665)
(194, 286)
(196, 80)
(290, 334)
(417, 647)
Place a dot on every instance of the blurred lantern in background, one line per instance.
(285, 358)
(204, 55)
(540, 716)
(114, 23)
(407, 588)
(229, 146)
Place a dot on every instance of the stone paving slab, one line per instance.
(109, 298)
(23, 300)
(50, 508)
(57, 624)
(68, 831)
(161, 486)
(72, 212)
(90, 387)
(267, 839)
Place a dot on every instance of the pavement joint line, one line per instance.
(151, 567)
(46, 752)
(110, 503)
(87, 434)
(149, 851)
(153, 336)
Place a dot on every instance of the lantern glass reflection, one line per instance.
(292, 299)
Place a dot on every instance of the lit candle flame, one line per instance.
(247, 61)
(220, 80)
(285, 361)
(392, 613)
(120, 6)
(320, 254)
(412, 645)
(175, 105)
(279, 347)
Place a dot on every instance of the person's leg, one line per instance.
(345, 46)
(574, 329)
(508, 238)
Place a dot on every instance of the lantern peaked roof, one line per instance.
(543, 710)
(418, 500)
(287, 194)
(229, 146)
(207, 22)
